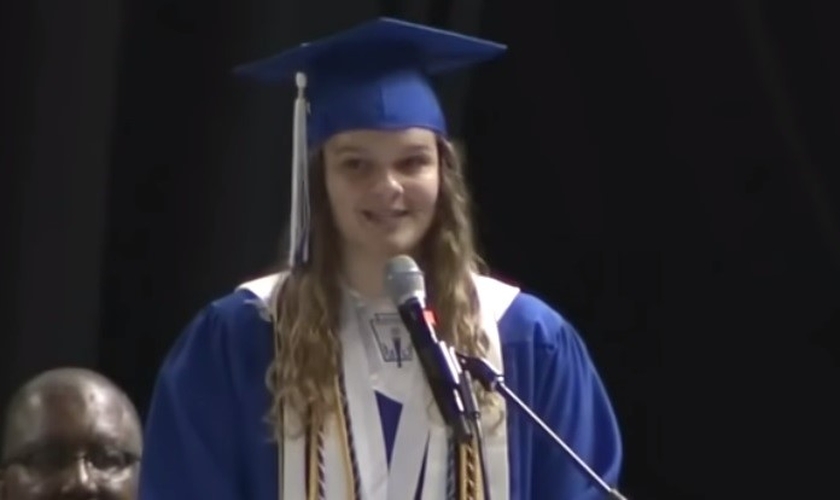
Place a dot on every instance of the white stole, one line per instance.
(420, 420)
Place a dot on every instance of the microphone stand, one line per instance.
(474, 416)
(493, 380)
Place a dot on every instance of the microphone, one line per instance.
(493, 380)
(405, 284)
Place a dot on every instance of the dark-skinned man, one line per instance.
(70, 434)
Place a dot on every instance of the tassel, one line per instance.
(299, 221)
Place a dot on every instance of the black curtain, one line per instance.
(663, 175)
(59, 85)
(675, 191)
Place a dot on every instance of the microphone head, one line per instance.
(404, 280)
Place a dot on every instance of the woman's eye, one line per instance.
(414, 162)
(352, 163)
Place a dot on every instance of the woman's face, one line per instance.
(383, 188)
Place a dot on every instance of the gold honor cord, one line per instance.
(316, 479)
(313, 470)
(469, 472)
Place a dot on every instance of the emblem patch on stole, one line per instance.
(392, 338)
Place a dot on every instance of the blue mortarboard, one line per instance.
(373, 76)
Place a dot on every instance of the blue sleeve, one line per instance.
(190, 447)
(572, 399)
(568, 394)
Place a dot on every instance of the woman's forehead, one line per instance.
(382, 139)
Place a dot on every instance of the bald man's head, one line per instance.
(70, 433)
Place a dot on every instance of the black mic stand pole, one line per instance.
(493, 380)
(474, 416)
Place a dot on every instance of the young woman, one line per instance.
(304, 384)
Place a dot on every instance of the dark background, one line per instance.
(666, 175)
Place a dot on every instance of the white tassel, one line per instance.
(299, 228)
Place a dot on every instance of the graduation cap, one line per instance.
(373, 76)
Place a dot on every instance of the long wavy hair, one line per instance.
(307, 306)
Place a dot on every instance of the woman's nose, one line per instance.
(387, 184)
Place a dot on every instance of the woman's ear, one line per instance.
(460, 148)
(457, 148)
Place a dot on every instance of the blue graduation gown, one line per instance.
(206, 436)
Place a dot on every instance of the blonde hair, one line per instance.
(306, 310)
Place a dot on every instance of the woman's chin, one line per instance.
(393, 245)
